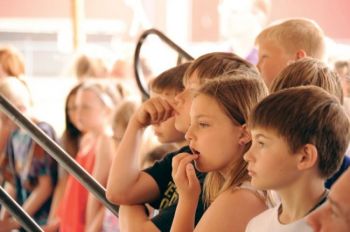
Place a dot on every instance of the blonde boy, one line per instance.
(283, 43)
(299, 137)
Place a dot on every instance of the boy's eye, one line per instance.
(262, 57)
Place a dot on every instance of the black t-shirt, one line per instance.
(167, 201)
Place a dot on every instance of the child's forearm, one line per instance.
(125, 169)
(4, 214)
(8, 225)
(134, 218)
(96, 223)
(184, 216)
(39, 195)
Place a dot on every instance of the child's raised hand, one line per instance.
(153, 111)
(184, 176)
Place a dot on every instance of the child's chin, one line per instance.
(199, 167)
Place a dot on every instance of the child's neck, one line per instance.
(298, 200)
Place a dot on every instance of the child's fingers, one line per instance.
(168, 110)
(176, 160)
(180, 161)
(191, 175)
(161, 110)
(183, 163)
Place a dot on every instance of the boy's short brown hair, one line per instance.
(170, 79)
(307, 115)
(212, 65)
(295, 34)
(309, 71)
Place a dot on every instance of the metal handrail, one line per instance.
(52, 148)
(137, 65)
(16, 211)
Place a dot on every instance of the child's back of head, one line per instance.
(309, 71)
(11, 62)
(307, 115)
(296, 34)
(216, 64)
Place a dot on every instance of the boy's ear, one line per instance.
(246, 136)
(300, 54)
(308, 156)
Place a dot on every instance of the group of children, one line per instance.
(253, 161)
(255, 148)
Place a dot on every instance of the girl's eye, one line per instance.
(203, 124)
(260, 144)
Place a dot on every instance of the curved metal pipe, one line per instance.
(137, 65)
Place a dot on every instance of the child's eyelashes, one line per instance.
(203, 124)
(259, 144)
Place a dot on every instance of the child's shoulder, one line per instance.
(263, 220)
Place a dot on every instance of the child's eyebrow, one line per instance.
(202, 116)
(258, 136)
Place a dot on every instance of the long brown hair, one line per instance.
(71, 134)
(237, 96)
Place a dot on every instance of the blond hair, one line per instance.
(14, 89)
(11, 61)
(295, 34)
(236, 96)
(122, 115)
(104, 90)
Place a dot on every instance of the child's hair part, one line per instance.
(170, 79)
(215, 64)
(236, 96)
(309, 71)
(295, 34)
(307, 115)
(105, 91)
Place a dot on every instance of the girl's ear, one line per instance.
(307, 157)
(245, 136)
